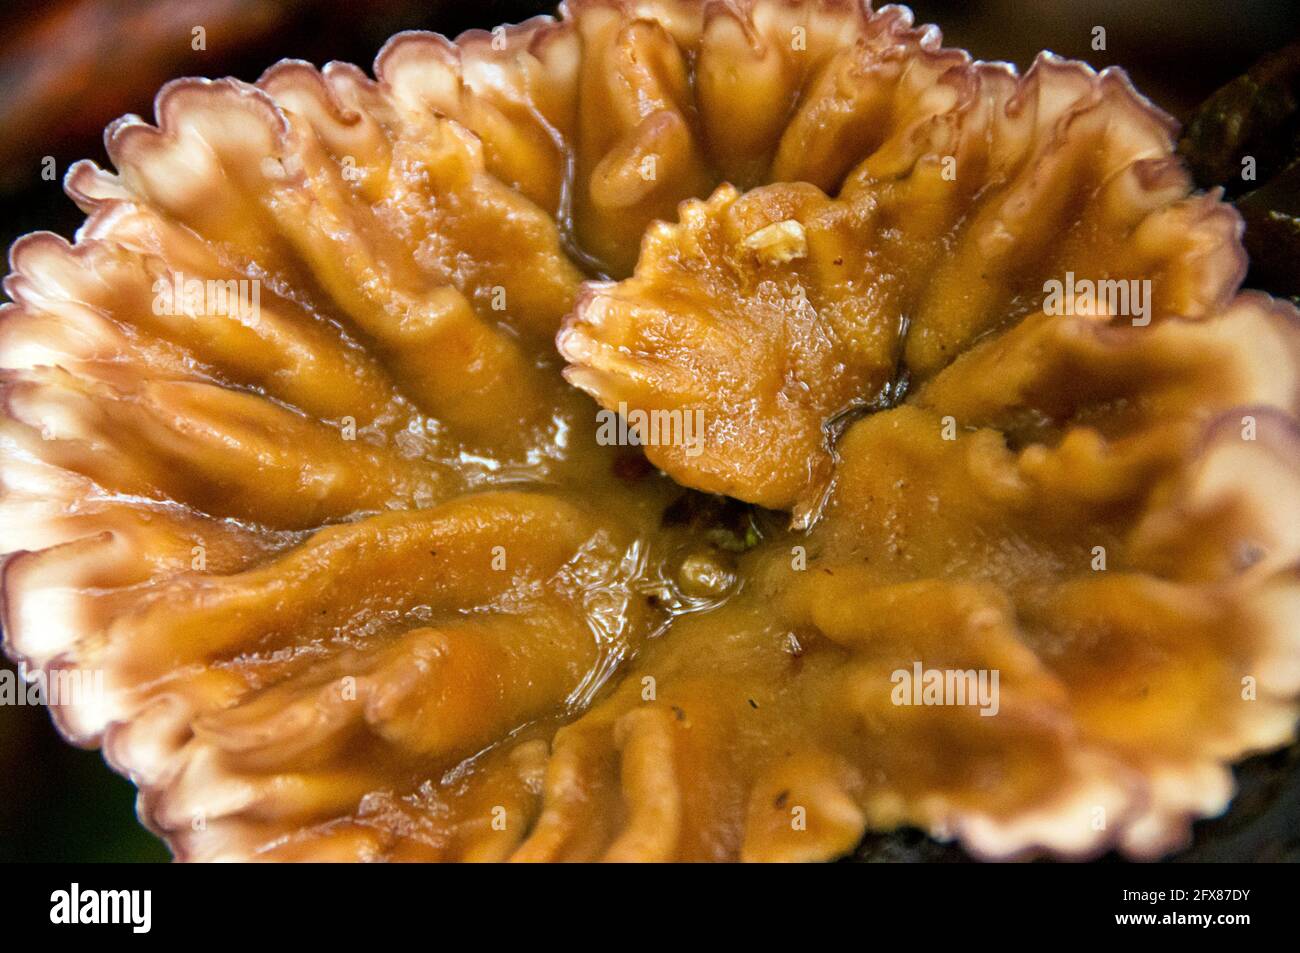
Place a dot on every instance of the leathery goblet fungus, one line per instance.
(289, 457)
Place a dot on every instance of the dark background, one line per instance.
(68, 67)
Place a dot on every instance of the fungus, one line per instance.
(290, 459)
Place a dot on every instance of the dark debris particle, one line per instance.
(696, 510)
(726, 524)
(631, 465)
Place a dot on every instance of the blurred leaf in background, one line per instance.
(1246, 138)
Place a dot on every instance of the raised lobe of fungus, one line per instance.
(945, 230)
(363, 586)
